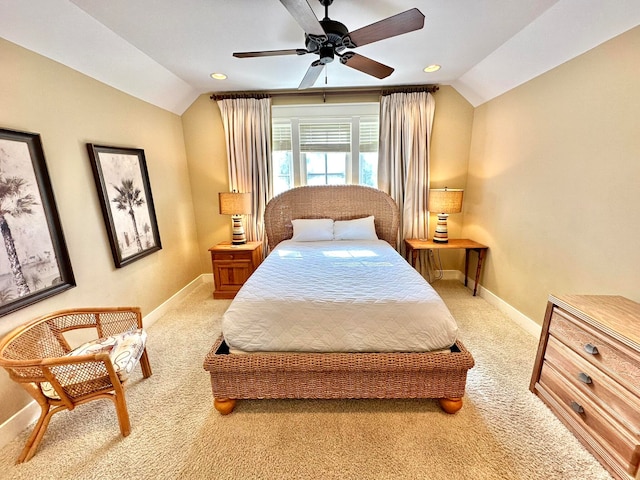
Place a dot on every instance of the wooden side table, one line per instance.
(232, 266)
(414, 245)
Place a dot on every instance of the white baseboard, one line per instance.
(515, 315)
(13, 426)
(151, 318)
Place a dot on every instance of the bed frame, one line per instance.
(336, 375)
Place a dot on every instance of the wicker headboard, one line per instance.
(339, 202)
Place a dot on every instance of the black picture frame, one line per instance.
(123, 186)
(34, 260)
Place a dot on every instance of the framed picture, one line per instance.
(34, 261)
(127, 205)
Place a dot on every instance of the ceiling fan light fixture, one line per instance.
(326, 55)
(218, 76)
(432, 68)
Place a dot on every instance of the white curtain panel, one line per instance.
(406, 121)
(247, 127)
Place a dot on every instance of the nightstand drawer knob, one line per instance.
(576, 407)
(591, 349)
(584, 378)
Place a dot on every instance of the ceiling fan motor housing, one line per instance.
(335, 31)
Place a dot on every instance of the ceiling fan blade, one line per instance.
(312, 75)
(366, 65)
(302, 13)
(270, 53)
(404, 22)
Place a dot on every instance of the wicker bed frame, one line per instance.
(336, 375)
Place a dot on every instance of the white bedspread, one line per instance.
(337, 296)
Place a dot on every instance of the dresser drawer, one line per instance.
(615, 359)
(616, 440)
(589, 380)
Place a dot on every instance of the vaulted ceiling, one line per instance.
(163, 51)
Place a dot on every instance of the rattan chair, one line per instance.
(39, 357)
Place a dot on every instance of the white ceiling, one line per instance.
(163, 51)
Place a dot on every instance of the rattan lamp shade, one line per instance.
(445, 200)
(234, 203)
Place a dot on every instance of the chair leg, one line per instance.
(35, 438)
(146, 366)
(122, 412)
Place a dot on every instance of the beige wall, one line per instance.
(209, 173)
(554, 181)
(449, 159)
(68, 110)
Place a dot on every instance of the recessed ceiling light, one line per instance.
(218, 76)
(432, 68)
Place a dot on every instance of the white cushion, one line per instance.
(312, 230)
(358, 229)
(125, 350)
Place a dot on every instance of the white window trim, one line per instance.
(330, 113)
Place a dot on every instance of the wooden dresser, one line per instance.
(232, 266)
(587, 371)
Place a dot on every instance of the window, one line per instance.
(324, 145)
(281, 154)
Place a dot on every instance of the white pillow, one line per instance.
(312, 230)
(358, 229)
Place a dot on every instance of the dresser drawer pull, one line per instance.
(576, 407)
(591, 349)
(584, 378)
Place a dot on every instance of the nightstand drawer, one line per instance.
(594, 384)
(615, 359)
(229, 257)
(619, 443)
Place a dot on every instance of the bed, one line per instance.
(249, 361)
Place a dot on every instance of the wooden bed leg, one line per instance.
(450, 405)
(224, 405)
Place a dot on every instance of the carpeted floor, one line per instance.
(502, 432)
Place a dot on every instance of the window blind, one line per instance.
(281, 137)
(369, 132)
(325, 137)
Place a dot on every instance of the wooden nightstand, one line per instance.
(233, 265)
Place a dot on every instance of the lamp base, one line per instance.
(441, 235)
(239, 237)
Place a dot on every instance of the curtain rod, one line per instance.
(325, 93)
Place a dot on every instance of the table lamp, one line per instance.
(236, 204)
(443, 201)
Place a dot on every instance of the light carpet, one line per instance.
(502, 432)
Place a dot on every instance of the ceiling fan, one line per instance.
(329, 39)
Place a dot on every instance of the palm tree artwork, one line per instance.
(128, 199)
(34, 262)
(14, 202)
(127, 205)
